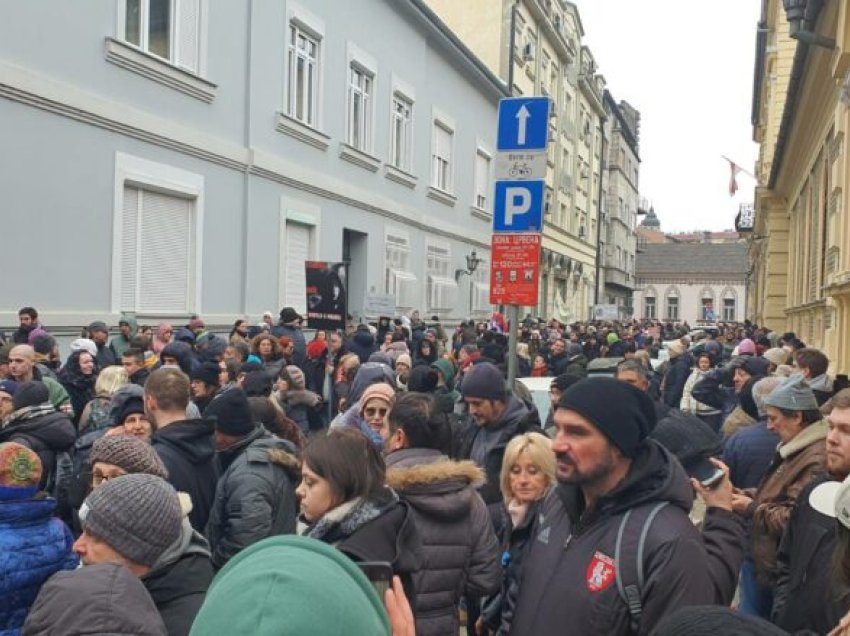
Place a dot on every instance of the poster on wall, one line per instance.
(326, 295)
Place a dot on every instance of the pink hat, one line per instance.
(380, 391)
(747, 346)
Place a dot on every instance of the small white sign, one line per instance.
(520, 166)
(379, 305)
(605, 312)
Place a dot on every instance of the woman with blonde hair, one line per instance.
(95, 415)
(528, 474)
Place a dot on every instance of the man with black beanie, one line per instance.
(204, 384)
(617, 520)
(255, 496)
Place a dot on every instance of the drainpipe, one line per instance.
(512, 45)
(603, 166)
(246, 179)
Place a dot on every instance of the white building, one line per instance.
(692, 281)
(170, 157)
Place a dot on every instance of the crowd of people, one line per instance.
(174, 480)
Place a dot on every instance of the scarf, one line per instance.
(341, 522)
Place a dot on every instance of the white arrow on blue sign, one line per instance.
(518, 206)
(523, 123)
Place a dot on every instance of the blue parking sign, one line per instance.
(523, 123)
(518, 206)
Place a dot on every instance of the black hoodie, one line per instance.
(569, 569)
(188, 452)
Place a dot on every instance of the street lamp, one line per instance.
(472, 263)
(802, 14)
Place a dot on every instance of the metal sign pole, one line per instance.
(513, 319)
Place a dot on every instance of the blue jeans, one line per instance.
(755, 600)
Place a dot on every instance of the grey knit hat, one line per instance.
(793, 394)
(137, 515)
(129, 453)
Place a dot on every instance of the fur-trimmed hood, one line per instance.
(432, 483)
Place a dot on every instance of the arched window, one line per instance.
(707, 309)
(671, 298)
(730, 305)
(650, 310)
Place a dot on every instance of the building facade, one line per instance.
(171, 157)
(618, 243)
(798, 239)
(691, 282)
(535, 47)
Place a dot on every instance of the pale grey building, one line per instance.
(170, 157)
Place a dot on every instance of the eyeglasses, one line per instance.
(372, 412)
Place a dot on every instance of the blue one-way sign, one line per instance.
(518, 206)
(523, 123)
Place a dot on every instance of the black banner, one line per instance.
(327, 296)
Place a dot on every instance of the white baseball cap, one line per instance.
(833, 500)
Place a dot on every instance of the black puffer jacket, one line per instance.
(572, 556)
(459, 547)
(187, 450)
(179, 581)
(43, 430)
(255, 497)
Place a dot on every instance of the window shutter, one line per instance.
(297, 252)
(442, 142)
(166, 248)
(129, 249)
(188, 29)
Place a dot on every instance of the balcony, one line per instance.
(619, 278)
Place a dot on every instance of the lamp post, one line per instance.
(472, 263)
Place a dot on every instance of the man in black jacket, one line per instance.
(807, 595)
(255, 496)
(620, 497)
(184, 446)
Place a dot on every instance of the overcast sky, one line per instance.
(688, 68)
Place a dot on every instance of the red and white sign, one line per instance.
(601, 572)
(514, 269)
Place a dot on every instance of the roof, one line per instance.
(704, 259)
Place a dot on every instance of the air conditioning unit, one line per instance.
(528, 52)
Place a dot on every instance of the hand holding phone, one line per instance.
(379, 573)
(718, 491)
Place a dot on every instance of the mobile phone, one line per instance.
(380, 574)
(712, 480)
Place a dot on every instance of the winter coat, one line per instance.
(674, 381)
(80, 387)
(298, 404)
(381, 528)
(577, 365)
(572, 582)
(105, 357)
(300, 353)
(362, 343)
(43, 430)
(690, 405)
(796, 463)
(187, 450)
(737, 420)
(807, 595)
(558, 364)
(749, 453)
(98, 599)
(517, 419)
(33, 546)
(255, 496)
(119, 344)
(178, 582)
(459, 549)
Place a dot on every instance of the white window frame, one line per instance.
(438, 271)
(364, 64)
(447, 124)
(294, 54)
(313, 27)
(294, 210)
(149, 175)
(647, 305)
(403, 245)
(482, 195)
(404, 162)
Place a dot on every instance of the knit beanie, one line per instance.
(129, 453)
(776, 356)
(137, 515)
(755, 365)
(84, 344)
(129, 407)
(611, 338)
(422, 379)
(713, 620)
(623, 413)
(564, 381)
(484, 382)
(675, 349)
(297, 376)
(747, 346)
(206, 372)
(404, 359)
(792, 394)
(379, 391)
(231, 413)
(30, 394)
(20, 472)
(9, 386)
(493, 352)
(290, 585)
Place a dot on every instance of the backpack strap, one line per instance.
(629, 558)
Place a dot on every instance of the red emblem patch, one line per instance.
(601, 572)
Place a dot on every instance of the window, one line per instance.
(303, 69)
(482, 180)
(649, 307)
(360, 108)
(729, 309)
(398, 279)
(441, 158)
(298, 239)
(401, 133)
(442, 289)
(157, 252)
(481, 289)
(672, 308)
(169, 29)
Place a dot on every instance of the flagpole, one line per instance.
(740, 169)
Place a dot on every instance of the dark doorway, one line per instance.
(354, 252)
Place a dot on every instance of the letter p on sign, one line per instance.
(518, 203)
(518, 206)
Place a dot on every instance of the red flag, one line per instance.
(733, 182)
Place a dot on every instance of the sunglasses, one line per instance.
(372, 412)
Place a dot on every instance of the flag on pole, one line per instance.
(733, 181)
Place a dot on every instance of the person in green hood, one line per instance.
(120, 343)
(291, 585)
(445, 394)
